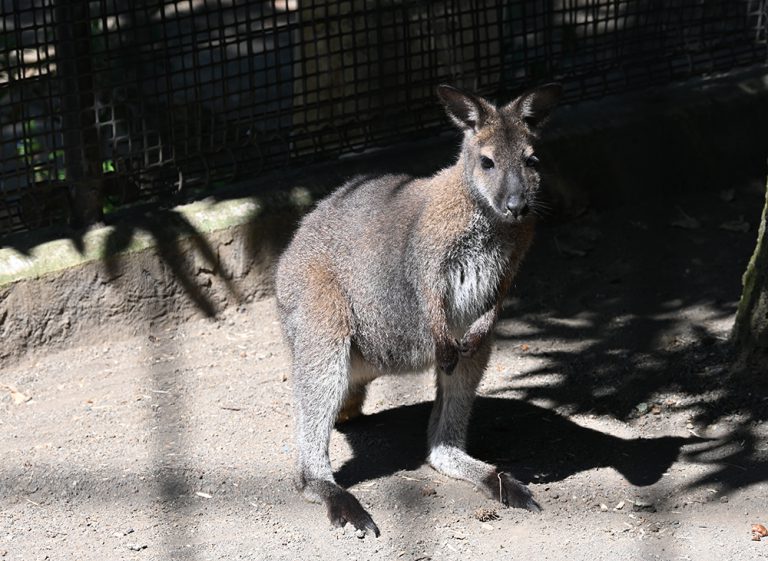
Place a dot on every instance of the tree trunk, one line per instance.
(750, 332)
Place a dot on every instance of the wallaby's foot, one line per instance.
(509, 491)
(455, 462)
(343, 507)
(469, 344)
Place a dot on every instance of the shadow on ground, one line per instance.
(629, 309)
(534, 443)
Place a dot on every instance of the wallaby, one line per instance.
(397, 274)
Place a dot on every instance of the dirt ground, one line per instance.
(608, 393)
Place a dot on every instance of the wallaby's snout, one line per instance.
(517, 206)
(513, 197)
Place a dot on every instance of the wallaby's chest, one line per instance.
(475, 265)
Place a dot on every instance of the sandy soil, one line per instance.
(608, 393)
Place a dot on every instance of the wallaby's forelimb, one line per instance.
(446, 346)
(477, 333)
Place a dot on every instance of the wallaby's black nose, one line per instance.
(517, 206)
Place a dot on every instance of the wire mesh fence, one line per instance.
(105, 102)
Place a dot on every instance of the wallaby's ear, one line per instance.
(465, 110)
(534, 106)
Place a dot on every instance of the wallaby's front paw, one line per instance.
(510, 492)
(470, 343)
(447, 355)
(343, 507)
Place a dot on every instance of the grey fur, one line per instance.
(394, 274)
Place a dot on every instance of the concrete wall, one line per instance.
(195, 260)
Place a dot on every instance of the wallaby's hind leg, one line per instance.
(448, 432)
(321, 380)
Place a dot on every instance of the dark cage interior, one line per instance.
(104, 102)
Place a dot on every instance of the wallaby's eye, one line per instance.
(531, 161)
(486, 163)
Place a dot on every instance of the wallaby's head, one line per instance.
(498, 156)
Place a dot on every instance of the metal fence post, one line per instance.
(82, 153)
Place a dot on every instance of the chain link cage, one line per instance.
(105, 102)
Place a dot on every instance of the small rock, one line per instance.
(428, 491)
(360, 534)
(641, 505)
(485, 514)
(619, 506)
(603, 507)
(136, 547)
(723, 500)
(656, 410)
(642, 408)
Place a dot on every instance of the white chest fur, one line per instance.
(474, 270)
